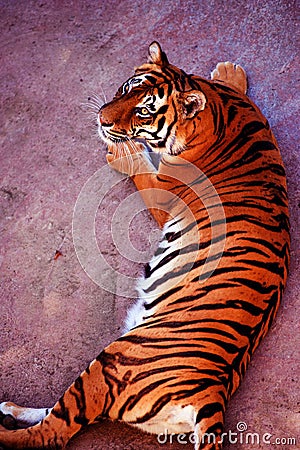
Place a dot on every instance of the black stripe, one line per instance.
(269, 245)
(242, 329)
(227, 346)
(251, 128)
(162, 297)
(249, 204)
(186, 393)
(209, 410)
(176, 326)
(208, 330)
(160, 124)
(220, 271)
(230, 304)
(80, 418)
(163, 109)
(163, 262)
(132, 361)
(156, 407)
(151, 78)
(182, 270)
(281, 219)
(172, 236)
(274, 168)
(270, 267)
(256, 286)
(176, 368)
(251, 155)
(171, 256)
(161, 92)
(232, 112)
(132, 400)
(62, 413)
(216, 429)
(204, 290)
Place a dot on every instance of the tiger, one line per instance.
(213, 286)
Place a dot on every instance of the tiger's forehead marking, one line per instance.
(152, 100)
(136, 81)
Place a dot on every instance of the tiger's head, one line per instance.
(158, 105)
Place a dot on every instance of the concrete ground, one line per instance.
(54, 318)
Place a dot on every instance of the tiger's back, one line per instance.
(213, 287)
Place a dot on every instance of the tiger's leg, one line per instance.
(231, 74)
(209, 412)
(114, 386)
(139, 167)
(202, 413)
(81, 404)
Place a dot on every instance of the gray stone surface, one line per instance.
(54, 318)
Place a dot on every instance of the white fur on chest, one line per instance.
(142, 309)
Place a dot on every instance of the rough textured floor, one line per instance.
(54, 318)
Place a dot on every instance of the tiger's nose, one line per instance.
(103, 121)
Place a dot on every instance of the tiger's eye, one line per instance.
(144, 111)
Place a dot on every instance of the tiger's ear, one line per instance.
(157, 56)
(192, 102)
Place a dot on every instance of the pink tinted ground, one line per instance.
(54, 319)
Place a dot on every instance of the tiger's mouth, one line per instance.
(109, 136)
(116, 138)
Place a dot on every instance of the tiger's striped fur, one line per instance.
(214, 285)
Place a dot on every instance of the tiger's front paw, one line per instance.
(132, 164)
(121, 164)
